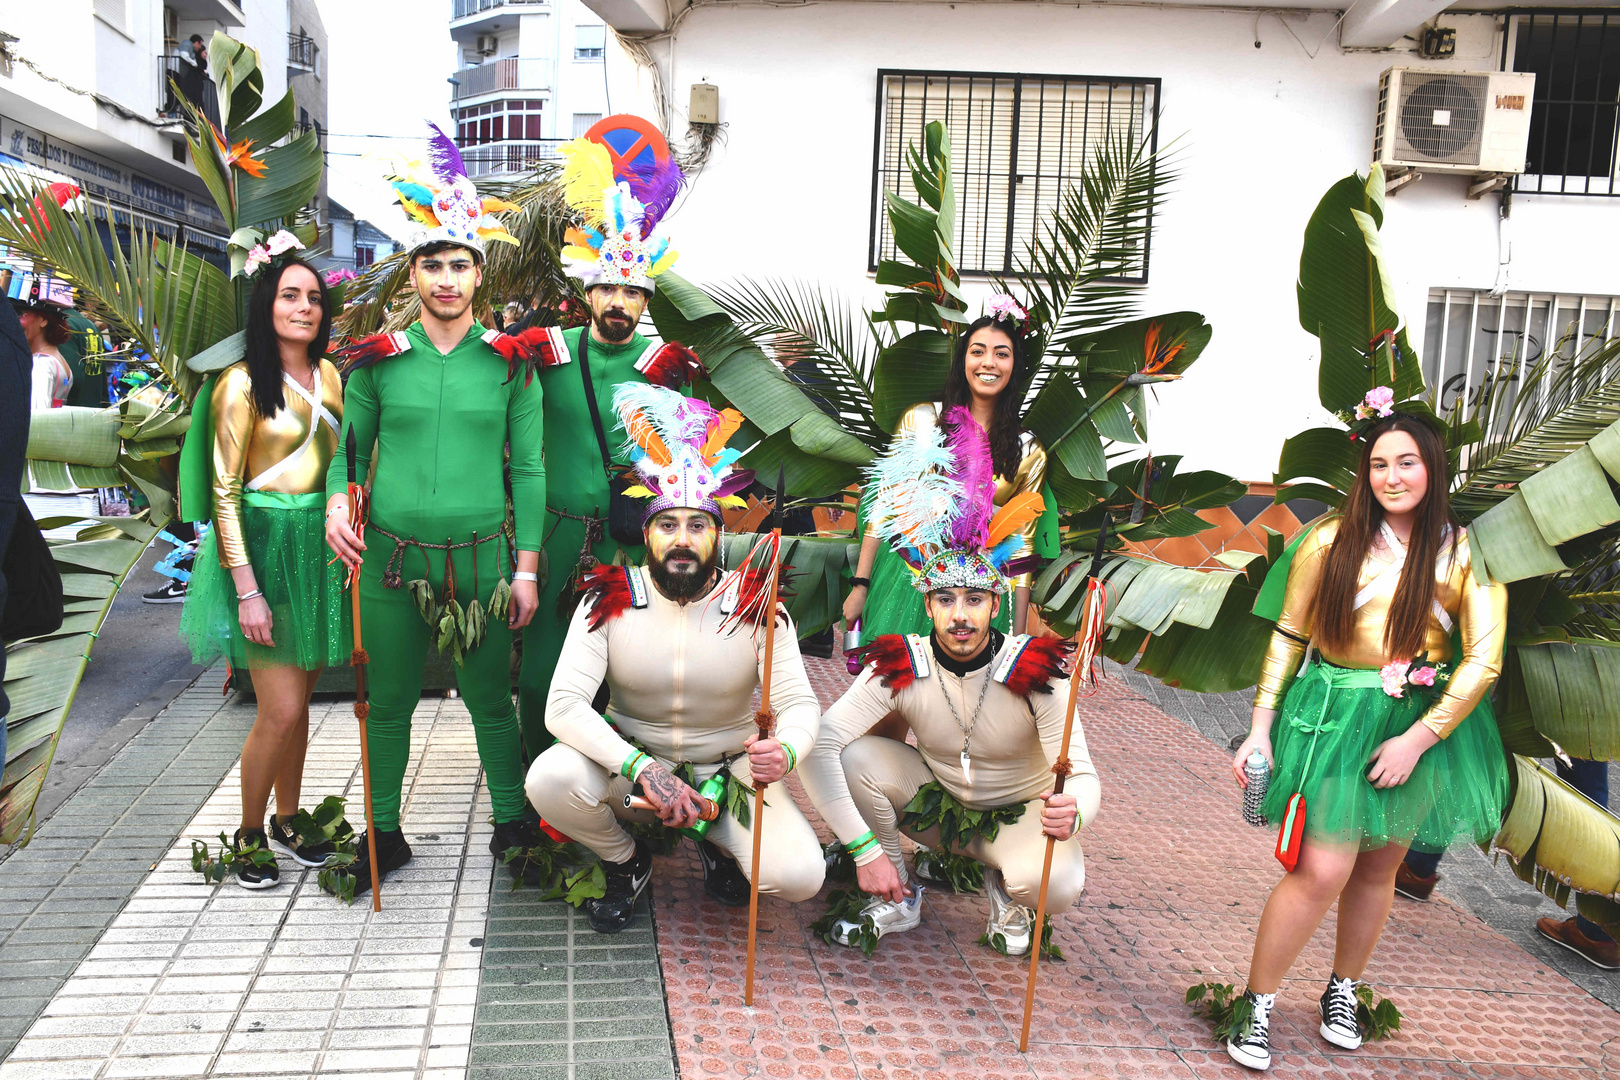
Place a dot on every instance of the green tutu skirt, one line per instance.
(895, 606)
(285, 537)
(1457, 790)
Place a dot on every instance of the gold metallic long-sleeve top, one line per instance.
(1031, 474)
(247, 447)
(1479, 611)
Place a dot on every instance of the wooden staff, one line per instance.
(766, 720)
(1091, 625)
(359, 659)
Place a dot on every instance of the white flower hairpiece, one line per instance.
(278, 244)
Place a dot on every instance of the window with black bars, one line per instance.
(1573, 118)
(1018, 143)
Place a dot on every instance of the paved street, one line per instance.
(120, 962)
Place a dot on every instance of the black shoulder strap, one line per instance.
(590, 398)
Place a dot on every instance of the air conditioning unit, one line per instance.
(488, 44)
(1474, 122)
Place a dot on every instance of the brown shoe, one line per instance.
(1412, 886)
(1603, 954)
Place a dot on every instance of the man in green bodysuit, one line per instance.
(617, 263)
(440, 401)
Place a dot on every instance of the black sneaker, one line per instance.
(1254, 1049)
(1338, 1009)
(523, 836)
(392, 853)
(172, 591)
(296, 847)
(723, 879)
(249, 876)
(626, 881)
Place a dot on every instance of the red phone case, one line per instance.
(1292, 833)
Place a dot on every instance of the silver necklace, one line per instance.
(967, 729)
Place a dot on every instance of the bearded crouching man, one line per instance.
(987, 710)
(682, 652)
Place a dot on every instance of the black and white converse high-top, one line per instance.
(1254, 1049)
(1338, 1007)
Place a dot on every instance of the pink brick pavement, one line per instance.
(1175, 882)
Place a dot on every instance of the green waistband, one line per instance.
(1347, 678)
(281, 500)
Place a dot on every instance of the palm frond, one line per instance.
(822, 341)
(148, 299)
(1560, 405)
(1072, 267)
(1556, 838)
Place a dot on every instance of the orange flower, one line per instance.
(238, 155)
(1157, 358)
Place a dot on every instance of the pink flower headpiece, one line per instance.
(1004, 308)
(279, 244)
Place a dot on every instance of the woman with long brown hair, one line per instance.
(1386, 740)
(262, 594)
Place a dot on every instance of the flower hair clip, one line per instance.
(279, 244)
(1378, 404)
(1004, 308)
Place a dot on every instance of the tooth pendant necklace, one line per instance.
(967, 729)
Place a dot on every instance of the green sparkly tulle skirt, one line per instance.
(285, 536)
(1457, 790)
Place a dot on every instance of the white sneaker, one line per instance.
(1013, 921)
(887, 917)
(1253, 1051)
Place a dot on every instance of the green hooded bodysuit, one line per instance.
(441, 424)
(576, 485)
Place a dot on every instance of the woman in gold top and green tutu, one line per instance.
(1386, 735)
(263, 595)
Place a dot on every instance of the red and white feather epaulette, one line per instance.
(670, 364)
(898, 660)
(1030, 664)
(529, 350)
(363, 352)
(610, 591)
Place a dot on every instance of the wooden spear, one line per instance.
(766, 720)
(1090, 628)
(359, 659)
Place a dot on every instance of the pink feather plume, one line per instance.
(969, 445)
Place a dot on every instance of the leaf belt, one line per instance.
(453, 629)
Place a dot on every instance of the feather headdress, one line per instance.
(932, 497)
(440, 198)
(678, 447)
(621, 200)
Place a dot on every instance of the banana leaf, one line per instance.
(1556, 838)
(42, 674)
(1573, 689)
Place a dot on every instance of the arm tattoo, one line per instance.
(661, 785)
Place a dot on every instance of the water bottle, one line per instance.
(713, 789)
(852, 641)
(1258, 772)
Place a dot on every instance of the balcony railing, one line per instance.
(301, 52)
(171, 69)
(463, 8)
(513, 73)
(509, 157)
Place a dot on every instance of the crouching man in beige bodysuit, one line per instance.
(681, 669)
(988, 715)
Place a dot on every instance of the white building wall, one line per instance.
(1262, 133)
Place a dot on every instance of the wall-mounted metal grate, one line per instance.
(1575, 115)
(1474, 339)
(1018, 142)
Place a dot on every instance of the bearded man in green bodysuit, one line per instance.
(440, 402)
(619, 182)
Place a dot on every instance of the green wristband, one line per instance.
(631, 763)
(862, 844)
(793, 759)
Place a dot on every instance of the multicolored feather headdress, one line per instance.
(440, 197)
(621, 193)
(678, 447)
(932, 497)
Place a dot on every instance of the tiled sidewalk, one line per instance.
(1174, 887)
